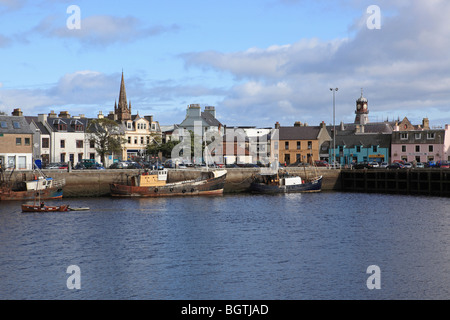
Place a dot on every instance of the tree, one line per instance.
(107, 137)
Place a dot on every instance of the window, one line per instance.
(129, 139)
(62, 157)
(148, 140)
(403, 136)
(375, 148)
(3, 125)
(298, 145)
(62, 145)
(80, 157)
(275, 145)
(418, 149)
(135, 140)
(22, 162)
(358, 149)
(92, 156)
(79, 143)
(16, 124)
(27, 141)
(403, 148)
(309, 144)
(78, 127)
(418, 136)
(286, 145)
(91, 144)
(430, 148)
(153, 126)
(18, 141)
(298, 157)
(129, 125)
(45, 143)
(430, 135)
(142, 140)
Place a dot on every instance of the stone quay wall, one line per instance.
(95, 183)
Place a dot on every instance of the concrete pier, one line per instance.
(95, 183)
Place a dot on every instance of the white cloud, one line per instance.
(103, 30)
(404, 68)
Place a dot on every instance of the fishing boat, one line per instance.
(47, 187)
(43, 208)
(275, 180)
(154, 184)
(285, 184)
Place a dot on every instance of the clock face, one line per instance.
(365, 105)
(358, 106)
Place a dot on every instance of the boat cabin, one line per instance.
(150, 179)
(40, 183)
(290, 181)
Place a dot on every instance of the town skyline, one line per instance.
(257, 63)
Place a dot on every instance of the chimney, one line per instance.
(297, 124)
(82, 116)
(211, 110)
(323, 125)
(194, 111)
(42, 118)
(277, 125)
(342, 126)
(100, 115)
(52, 114)
(17, 113)
(426, 124)
(64, 115)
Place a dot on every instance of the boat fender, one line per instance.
(156, 190)
(184, 191)
(171, 189)
(192, 190)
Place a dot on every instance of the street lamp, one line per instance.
(334, 90)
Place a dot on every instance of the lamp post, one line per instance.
(334, 90)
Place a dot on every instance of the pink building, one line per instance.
(421, 144)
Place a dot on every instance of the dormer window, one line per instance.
(16, 124)
(77, 125)
(129, 125)
(60, 125)
(3, 125)
(430, 135)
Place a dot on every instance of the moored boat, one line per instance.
(154, 184)
(43, 208)
(285, 183)
(47, 187)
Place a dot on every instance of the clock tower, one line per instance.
(362, 110)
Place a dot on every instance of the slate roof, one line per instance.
(299, 133)
(439, 135)
(14, 124)
(365, 140)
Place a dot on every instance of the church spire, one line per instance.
(123, 112)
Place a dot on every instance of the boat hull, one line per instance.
(212, 186)
(313, 186)
(38, 208)
(46, 194)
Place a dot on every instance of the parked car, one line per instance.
(321, 163)
(420, 165)
(119, 165)
(361, 165)
(374, 164)
(395, 165)
(231, 165)
(57, 165)
(443, 164)
(407, 165)
(384, 165)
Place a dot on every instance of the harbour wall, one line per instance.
(428, 182)
(95, 183)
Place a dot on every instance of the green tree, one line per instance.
(107, 137)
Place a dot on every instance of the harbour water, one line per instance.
(234, 247)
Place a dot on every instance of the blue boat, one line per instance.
(285, 183)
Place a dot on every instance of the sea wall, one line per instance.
(95, 183)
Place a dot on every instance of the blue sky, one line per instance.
(258, 62)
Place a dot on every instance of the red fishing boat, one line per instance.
(43, 208)
(154, 184)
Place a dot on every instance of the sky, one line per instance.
(256, 61)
